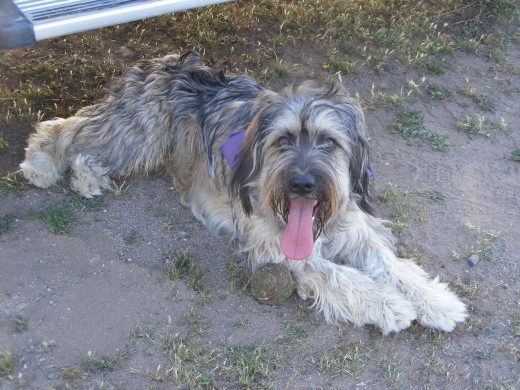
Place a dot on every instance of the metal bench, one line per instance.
(25, 22)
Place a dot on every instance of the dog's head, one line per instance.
(304, 156)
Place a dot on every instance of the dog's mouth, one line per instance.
(298, 237)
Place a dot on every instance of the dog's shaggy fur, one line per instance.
(298, 190)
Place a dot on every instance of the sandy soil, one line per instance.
(102, 290)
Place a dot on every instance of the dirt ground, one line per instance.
(95, 308)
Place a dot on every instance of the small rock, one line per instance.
(473, 260)
(126, 53)
(51, 376)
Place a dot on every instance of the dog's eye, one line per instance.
(283, 141)
(328, 144)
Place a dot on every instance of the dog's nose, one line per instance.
(302, 184)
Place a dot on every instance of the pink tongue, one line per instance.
(297, 239)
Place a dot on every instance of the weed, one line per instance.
(514, 324)
(194, 317)
(80, 203)
(515, 155)
(403, 209)
(238, 277)
(21, 324)
(240, 324)
(340, 65)
(480, 98)
(345, 359)
(436, 66)
(70, 373)
(12, 181)
(59, 220)
(6, 221)
(485, 242)
(438, 92)
(4, 145)
(410, 124)
(296, 330)
(101, 364)
(118, 190)
(7, 364)
(182, 266)
(131, 237)
(252, 363)
(480, 125)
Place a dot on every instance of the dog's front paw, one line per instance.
(441, 309)
(392, 313)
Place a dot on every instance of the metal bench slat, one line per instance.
(23, 22)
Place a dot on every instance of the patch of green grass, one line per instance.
(238, 277)
(4, 145)
(484, 243)
(252, 363)
(296, 330)
(13, 181)
(7, 364)
(194, 317)
(70, 373)
(480, 125)
(438, 92)
(131, 237)
(514, 324)
(101, 364)
(341, 65)
(479, 98)
(21, 324)
(403, 209)
(58, 220)
(436, 66)
(410, 124)
(348, 358)
(515, 155)
(182, 266)
(5, 222)
(80, 203)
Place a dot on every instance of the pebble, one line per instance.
(51, 376)
(126, 53)
(473, 260)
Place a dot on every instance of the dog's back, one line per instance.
(157, 108)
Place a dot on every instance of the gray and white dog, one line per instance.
(285, 174)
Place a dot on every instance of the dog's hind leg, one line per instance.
(343, 293)
(368, 249)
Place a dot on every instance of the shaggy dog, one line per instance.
(285, 173)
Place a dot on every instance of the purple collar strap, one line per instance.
(231, 148)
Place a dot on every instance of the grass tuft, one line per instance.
(410, 124)
(59, 220)
(182, 266)
(238, 277)
(7, 364)
(480, 125)
(101, 364)
(6, 221)
(515, 155)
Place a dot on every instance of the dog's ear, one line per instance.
(354, 123)
(249, 157)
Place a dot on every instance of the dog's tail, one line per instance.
(46, 153)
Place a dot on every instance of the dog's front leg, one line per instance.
(368, 248)
(343, 293)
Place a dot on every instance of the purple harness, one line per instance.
(231, 148)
